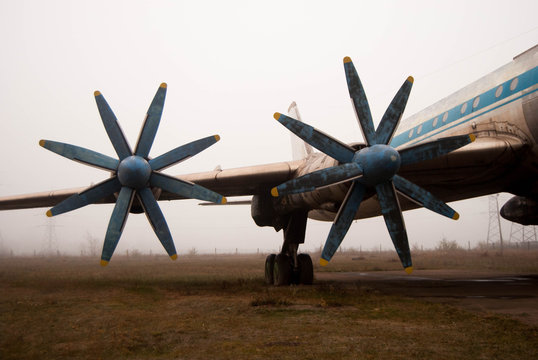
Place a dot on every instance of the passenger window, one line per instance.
(513, 84)
(411, 133)
(476, 102)
(445, 116)
(463, 108)
(499, 91)
(434, 124)
(419, 129)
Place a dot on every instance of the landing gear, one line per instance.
(280, 270)
(289, 267)
(306, 269)
(269, 266)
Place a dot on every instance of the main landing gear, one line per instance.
(281, 270)
(288, 267)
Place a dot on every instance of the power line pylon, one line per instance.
(494, 228)
(522, 234)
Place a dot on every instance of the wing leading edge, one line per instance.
(242, 181)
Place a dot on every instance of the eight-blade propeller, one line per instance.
(374, 166)
(134, 174)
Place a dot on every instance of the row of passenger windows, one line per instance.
(463, 108)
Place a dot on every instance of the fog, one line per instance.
(229, 66)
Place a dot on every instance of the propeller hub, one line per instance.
(379, 163)
(134, 172)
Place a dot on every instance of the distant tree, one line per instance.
(448, 245)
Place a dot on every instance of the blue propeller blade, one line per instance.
(117, 138)
(157, 221)
(342, 222)
(423, 197)
(360, 102)
(81, 154)
(393, 114)
(153, 118)
(185, 189)
(317, 179)
(88, 196)
(434, 149)
(117, 223)
(390, 208)
(318, 139)
(182, 153)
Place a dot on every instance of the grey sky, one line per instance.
(229, 66)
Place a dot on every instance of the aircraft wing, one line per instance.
(231, 182)
(477, 169)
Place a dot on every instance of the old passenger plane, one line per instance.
(478, 141)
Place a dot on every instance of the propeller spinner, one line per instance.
(374, 166)
(133, 174)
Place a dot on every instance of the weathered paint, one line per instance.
(133, 175)
(151, 123)
(317, 179)
(360, 102)
(487, 102)
(343, 220)
(77, 153)
(321, 141)
(182, 153)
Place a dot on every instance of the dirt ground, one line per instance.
(478, 291)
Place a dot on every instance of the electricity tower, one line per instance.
(494, 229)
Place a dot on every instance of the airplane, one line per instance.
(478, 141)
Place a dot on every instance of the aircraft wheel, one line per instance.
(306, 269)
(282, 270)
(269, 266)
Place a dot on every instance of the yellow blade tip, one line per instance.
(224, 200)
(323, 262)
(472, 137)
(276, 116)
(409, 270)
(456, 216)
(96, 93)
(41, 142)
(410, 79)
(274, 192)
(173, 257)
(347, 59)
(49, 213)
(163, 85)
(104, 263)
(217, 137)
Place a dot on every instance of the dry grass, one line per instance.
(217, 307)
(510, 261)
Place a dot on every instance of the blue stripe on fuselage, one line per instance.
(486, 99)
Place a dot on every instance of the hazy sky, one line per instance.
(229, 66)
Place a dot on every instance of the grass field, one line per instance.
(217, 307)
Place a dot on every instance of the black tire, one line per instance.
(306, 269)
(282, 270)
(269, 266)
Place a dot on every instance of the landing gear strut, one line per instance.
(288, 267)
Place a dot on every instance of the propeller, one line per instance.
(372, 167)
(133, 175)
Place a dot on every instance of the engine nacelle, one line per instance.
(267, 210)
(521, 210)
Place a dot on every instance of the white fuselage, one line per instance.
(501, 109)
